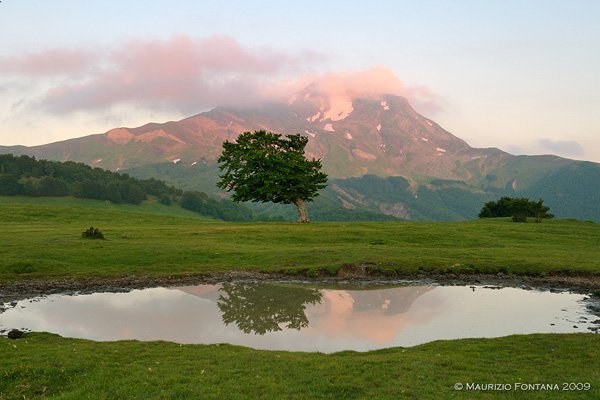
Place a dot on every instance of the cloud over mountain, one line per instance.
(188, 75)
(48, 63)
(371, 83)
(181, 73)
(564, 147)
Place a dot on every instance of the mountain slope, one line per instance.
(383, 136)
(433, 175)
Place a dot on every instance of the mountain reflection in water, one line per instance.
(269, 307)
(297, 317)
(373, 315)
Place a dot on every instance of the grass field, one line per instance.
(41, 240)
(45, 365)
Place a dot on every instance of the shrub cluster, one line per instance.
(92, 233)
(517, 208)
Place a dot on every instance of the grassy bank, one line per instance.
(41, 240)
(45, 365)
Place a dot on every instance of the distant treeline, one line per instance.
(27, 176)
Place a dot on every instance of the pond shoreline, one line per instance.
(559, 281)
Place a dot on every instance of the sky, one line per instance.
(522, 76)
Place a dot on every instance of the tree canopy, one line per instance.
(269, 167)
(517, 208)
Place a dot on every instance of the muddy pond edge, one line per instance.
(584, 283)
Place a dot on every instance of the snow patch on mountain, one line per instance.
(363, 154)
(329, 128)
(314, 117)
(340, 107)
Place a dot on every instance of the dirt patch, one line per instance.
(353, 271)
(560, 280)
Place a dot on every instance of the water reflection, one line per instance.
(376, 315)
(303, 318)
(261, 307)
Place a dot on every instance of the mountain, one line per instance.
(382, 136)
(381, 155)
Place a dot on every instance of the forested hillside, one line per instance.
(23, 175)
(27, 176)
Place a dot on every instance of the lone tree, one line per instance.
(265, 166)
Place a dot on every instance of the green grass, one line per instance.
(41, 240)
(148, 207)
(45, 365)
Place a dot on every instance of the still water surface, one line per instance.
(300, 317)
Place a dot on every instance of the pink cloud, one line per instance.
(48, 63)
(190, 74)
(374, 82)
(183, 73)
(340, 88)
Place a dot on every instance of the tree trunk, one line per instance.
(302, 214)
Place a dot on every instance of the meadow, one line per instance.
(48, 366)
(41, 240)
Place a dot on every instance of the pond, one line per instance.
(305, 317)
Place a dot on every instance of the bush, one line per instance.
(92, 233)
(519, 218)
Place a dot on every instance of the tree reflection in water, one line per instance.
(265, 307)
